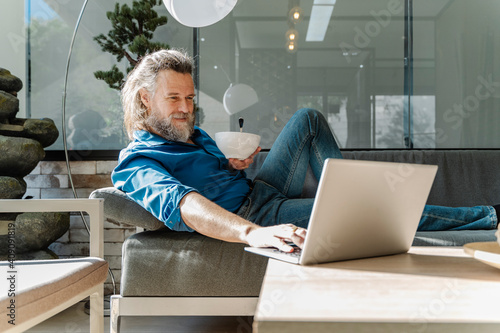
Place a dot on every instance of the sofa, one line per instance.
(180, 273)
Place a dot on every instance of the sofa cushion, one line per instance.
(119, 208)
(452, 237)
(167, 263)
(464, 177)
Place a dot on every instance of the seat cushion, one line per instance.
(119, 208)
(453, 237)
(44, 284)
(170, 263)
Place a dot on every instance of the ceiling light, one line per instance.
(325, 2)
(295, 14)
(238, 97)
(350, 54)
(292, 35)
(291, 47)
(318, 23)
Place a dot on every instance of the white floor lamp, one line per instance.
(199, 13)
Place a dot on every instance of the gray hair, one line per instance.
(144, 75)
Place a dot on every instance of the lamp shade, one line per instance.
(199, 13)
(238, 97)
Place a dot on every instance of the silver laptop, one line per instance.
(362, 209)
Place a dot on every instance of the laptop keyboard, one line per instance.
(295, 254)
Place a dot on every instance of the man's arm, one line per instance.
(213, 221)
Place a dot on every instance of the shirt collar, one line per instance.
(152, 139)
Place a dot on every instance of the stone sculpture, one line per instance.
(22, 143)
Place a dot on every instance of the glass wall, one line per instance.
(385, 73)
(457, 64)
(346, 59)
(93, 112)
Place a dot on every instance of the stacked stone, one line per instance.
(22, 143)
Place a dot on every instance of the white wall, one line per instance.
(13, 44)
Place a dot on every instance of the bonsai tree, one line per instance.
(130, 37)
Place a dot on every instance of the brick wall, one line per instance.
(50, 180)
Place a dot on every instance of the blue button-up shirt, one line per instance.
(157, 174)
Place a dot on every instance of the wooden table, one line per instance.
(429, 289)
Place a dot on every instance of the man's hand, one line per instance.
(237, 164)
(277, 236)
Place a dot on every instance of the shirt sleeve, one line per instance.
(149, 184)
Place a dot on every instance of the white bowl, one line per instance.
(238, 145)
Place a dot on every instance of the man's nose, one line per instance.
(184, 106)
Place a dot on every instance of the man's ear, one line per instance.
(144, 97)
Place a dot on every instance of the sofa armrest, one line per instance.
(119, 208)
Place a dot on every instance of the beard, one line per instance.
(168, 130)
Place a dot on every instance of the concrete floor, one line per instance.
(75, 320)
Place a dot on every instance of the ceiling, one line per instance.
(262, 24)
(361, 27)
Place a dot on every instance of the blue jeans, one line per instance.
(305, 141)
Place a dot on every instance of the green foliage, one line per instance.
(130, 37)
(113, 77)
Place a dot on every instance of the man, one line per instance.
(175, 170)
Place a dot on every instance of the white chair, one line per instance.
(42, 288)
